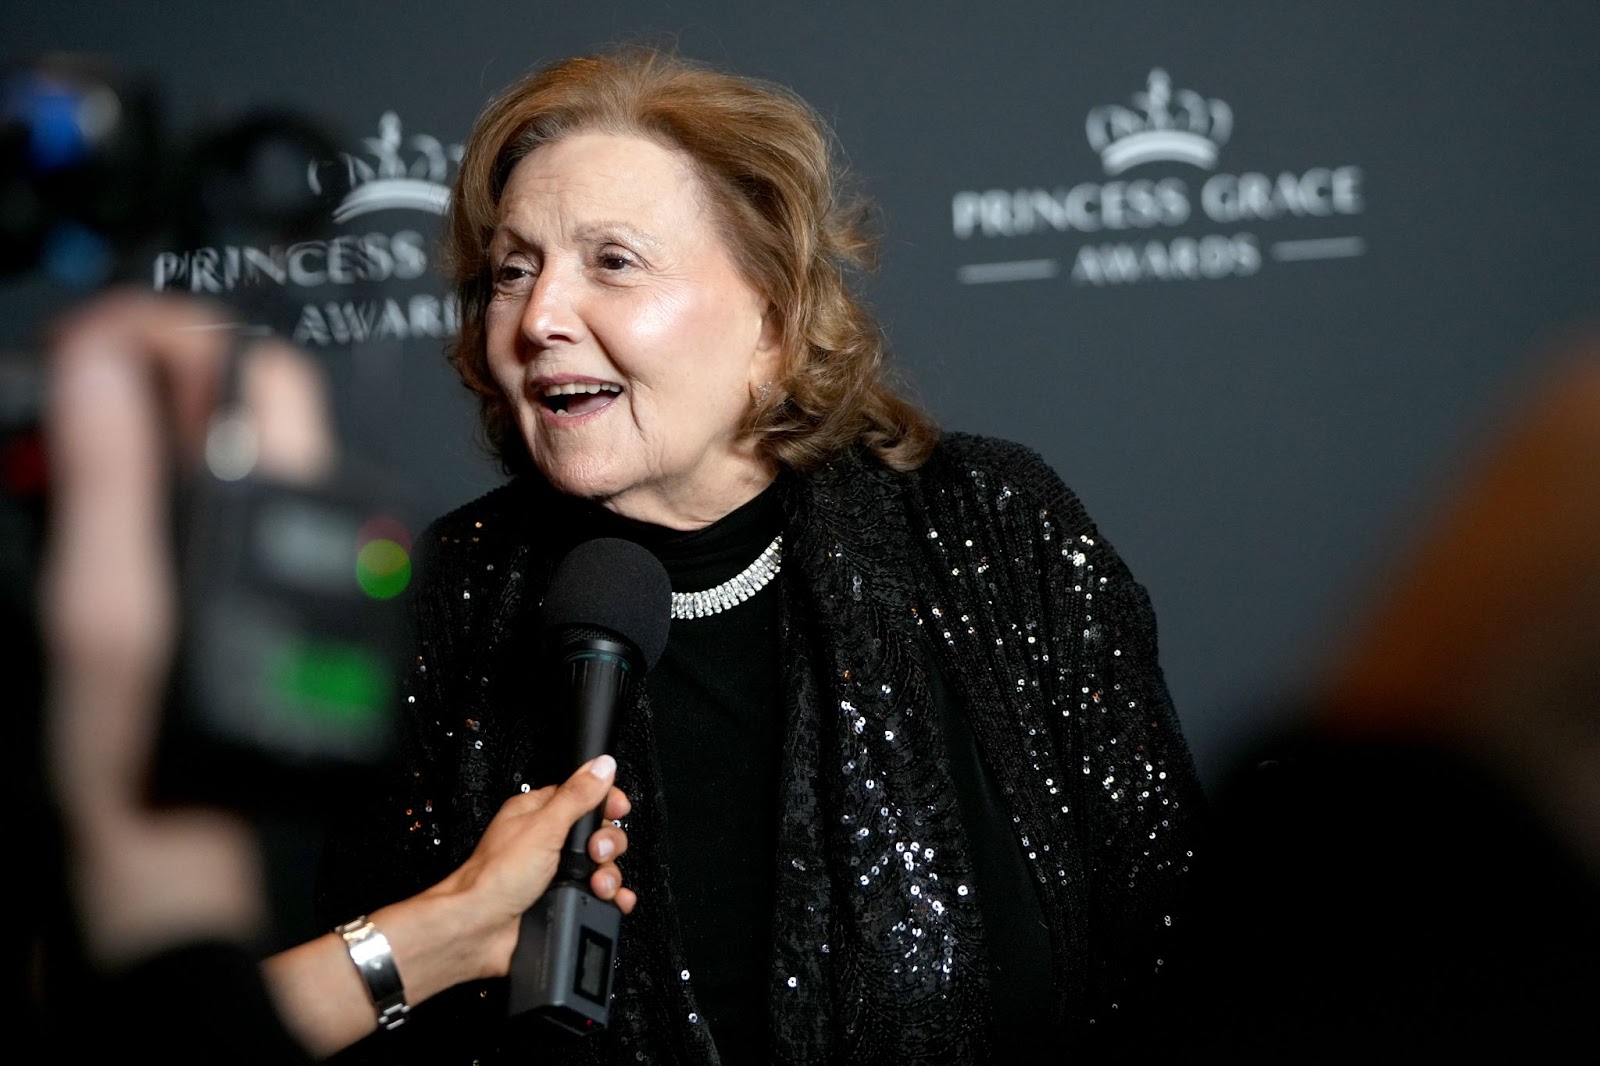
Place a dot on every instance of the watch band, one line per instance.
(369, 950)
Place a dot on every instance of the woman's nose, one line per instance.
(551, 315)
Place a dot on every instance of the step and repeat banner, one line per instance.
(1255, 278)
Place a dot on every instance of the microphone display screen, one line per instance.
(594, 965)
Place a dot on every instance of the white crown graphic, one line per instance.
(1162, 125)
(386, 179)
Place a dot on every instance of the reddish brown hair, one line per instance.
(763, 156)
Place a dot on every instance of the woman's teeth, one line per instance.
(573, 397)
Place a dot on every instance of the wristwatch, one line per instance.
(369, 950)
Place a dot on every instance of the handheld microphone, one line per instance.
(604, 622)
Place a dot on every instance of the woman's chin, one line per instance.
(679, 503)
(581, 484)
(587, 481)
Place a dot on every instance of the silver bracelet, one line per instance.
(369, 950)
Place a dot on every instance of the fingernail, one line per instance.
(608, 884)
(603, 848)
(603, 767)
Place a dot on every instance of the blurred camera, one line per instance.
(283, 693)
(291, 632)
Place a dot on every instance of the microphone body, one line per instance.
(605, 624)
(598, 671)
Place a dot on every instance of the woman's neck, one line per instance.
(695, 505)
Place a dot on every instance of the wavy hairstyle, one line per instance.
(762, 155)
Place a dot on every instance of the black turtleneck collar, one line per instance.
(699, 558)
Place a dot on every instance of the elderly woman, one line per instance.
(920, 794)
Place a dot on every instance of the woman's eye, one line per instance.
(509, 274)
(614, 261)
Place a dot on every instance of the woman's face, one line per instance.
(626, 341)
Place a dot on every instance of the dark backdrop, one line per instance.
(1259, 352)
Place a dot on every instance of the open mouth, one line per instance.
(578, 397)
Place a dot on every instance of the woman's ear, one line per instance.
(766, 368)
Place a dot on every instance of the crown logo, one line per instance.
(398, 172)
(1179, 127)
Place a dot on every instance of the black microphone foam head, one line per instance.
(614, 585)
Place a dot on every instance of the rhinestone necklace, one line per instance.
(734, 591)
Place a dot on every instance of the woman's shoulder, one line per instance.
(992, 452)
(486, 524)
(495, 510)
(1005, 468)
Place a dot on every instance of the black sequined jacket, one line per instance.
(981, 559)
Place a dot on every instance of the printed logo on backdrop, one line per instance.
(356, 283)
(1152, 218)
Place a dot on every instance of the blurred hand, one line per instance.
(132, 381)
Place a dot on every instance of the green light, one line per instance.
(383, 569)
(345, 683)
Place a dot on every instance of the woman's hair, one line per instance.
(762, 154)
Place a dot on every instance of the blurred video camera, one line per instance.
(90, 182)
(283, 691)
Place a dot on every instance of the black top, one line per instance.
(197, 1002)
(718, 734)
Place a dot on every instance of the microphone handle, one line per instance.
(600, 675)
(562, 965)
